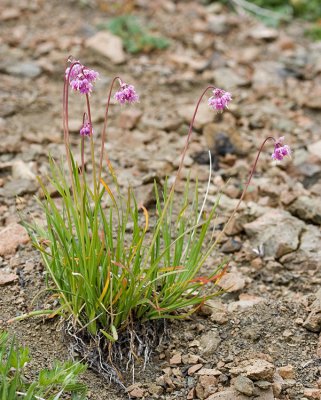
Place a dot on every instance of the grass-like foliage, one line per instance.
(51, 384)
(136, 38)
(109, 267)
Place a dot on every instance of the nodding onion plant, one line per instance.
(108, 266)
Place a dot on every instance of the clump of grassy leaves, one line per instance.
(135, 37)
(51, 384)
(109, 267)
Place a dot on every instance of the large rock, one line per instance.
(228, 78)
(228, 395)
(307, 208)
(315, 148)
(204, 115)
(26, 69)
(232, 281)
(11, 237)
(107, 45)
(277, 230)
(7, 277)
(313, 100)
(255, 369)
(267, 75)
(232, 394)
(244, 385)
(308, 256)
(18, 187)
(209, 342)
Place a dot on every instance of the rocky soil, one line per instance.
(261, 338)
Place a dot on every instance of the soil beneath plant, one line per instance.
(268, 320)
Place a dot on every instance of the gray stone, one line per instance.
(231, 394)
(267, 75)
(313, 98)
(204, 115)
(18, 187)
(307, 208)
(277, 230)
(308, 256)
(26, 69)
(216, 309)
(209, 342)
(227, 78)
(22, 170)
(231, 246)
(228, 395)
(263, 384)
(244, 385)
(315, 148)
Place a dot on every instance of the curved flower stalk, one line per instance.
(216, 104)
(280, 151)
(219, 101)
(126, 94)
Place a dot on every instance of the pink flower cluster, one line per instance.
(219, 100)
(81, 79)
(126, 94)
(280, 150)
(86, 129)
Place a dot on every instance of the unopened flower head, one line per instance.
(81, 78)
(280, 150)
(219, 100)
(126, 94)
(86, 129)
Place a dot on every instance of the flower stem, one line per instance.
(65, 119)
(244, 190)
(189, 136)
(162, 216)
(103, 135)
(82, 150)
(96, 184)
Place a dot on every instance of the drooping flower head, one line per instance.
(280, 150)
(219, 100)
(86, 129)
(81, 78)
(126, 94)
